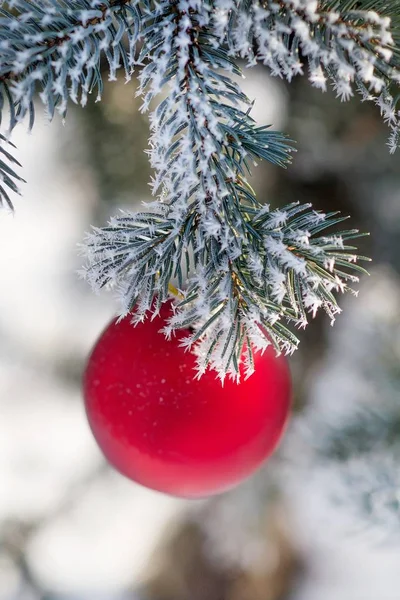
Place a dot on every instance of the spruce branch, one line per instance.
(54, 48)
(8, 177)
(287, 270)
(353, 44)
(245, 273)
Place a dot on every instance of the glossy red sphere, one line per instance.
(164, 430)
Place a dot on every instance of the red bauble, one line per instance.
(161, 428)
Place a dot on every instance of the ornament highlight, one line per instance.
(163, 429)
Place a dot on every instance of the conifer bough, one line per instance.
(247, 274)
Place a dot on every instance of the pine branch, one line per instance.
(248, 271)
(55, 48)
(8, 177)
(244, 272)
(354, 44)
(286, 270)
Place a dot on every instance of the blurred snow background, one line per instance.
(70, 527)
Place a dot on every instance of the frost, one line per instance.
(343, 47)
(242, 272)
(57, 58)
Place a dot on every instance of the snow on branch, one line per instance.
(202, 135)
(352, 44)
(54, 48)
(245, 272)
(287, 269)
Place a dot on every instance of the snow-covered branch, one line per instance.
(351, 44)
(55, 49)
(286, 270)
(244, 272)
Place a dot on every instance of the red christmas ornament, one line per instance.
(161, 428)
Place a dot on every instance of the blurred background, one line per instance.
(322, 518)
